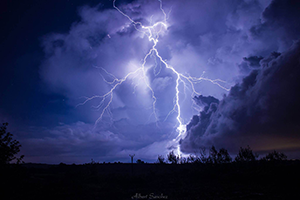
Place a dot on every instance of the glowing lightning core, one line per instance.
(152, 32)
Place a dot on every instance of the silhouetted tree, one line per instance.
(218, 157)
(275, 156)
(160, 160)
(246, 155)
(139, 161)
(62, 164)
(192, 158)
(172, 158)
(203, 157)
(8, 147)
(92, 161)
(183, 160)
(213, 155)
(223, 156)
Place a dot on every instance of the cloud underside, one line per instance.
(262, 111)
(80, 142)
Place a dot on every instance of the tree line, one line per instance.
(214, 156)
(9, 148)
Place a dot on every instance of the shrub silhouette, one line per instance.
(172, 158)
(203, 158)
(183, 160)
(193, 159)
(8, 147)
(223, 156)
(246, 155)
(139, 161)
(275, 156)
(220, 156)
(213, 155)
(160, 160)
(62, 164)
(217, 157)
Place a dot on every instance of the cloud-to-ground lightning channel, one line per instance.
(152, 32)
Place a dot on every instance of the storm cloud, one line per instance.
(246, 44)
(262, 111)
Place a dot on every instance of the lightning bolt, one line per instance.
(152, 32)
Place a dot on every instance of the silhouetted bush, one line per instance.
(223, 156)
(214, 157)
(62, 164)
(275, 156)
(219, 157)
(160, 160)
(172, 158)
(246, 155)
(8, 147)
(183, 160)
(192, 159)
(139, 161)
(203, 158)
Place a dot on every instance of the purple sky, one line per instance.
(251, 45)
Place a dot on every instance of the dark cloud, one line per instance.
(253, 61)
(210, 105)
(262, 111)
(283, 15)
(249, 63)
(279, 23)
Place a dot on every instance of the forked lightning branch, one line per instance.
(152, 32)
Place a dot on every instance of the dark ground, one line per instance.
(253, 180)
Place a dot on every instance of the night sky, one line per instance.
(79, 80)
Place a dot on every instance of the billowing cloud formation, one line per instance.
(262, 111)
(214, 39)
(206, 38)
(279, 25)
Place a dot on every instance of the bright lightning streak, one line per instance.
(153, 36)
